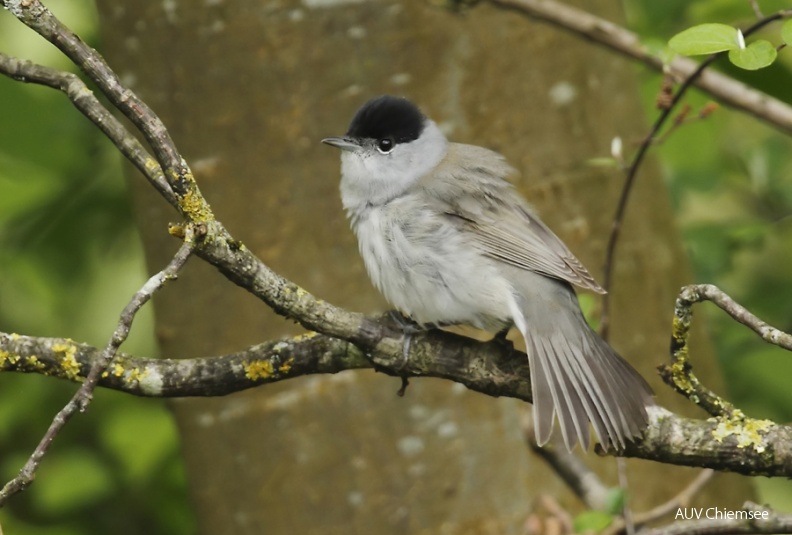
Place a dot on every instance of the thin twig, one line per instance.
(580, 479)
(627, 514)
(679, 373)
(726, 90)
(85, 101)
(39, 18)
(632, 172)
(82, 398)
(756, 9)
(177, 173)
(697, 293)
(680, 500)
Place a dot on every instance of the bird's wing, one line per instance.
(499, 220)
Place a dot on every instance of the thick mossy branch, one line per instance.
(747, 446)
(740, 445)
(216, 376)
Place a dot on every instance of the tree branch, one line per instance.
(175, 169)
(748, 447)
(721, 87)
(632, 171)
(85, 101)
(679, 373)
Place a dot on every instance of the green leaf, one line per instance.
(594, 521)
(705, 39)
(786, 31)
(615, 500)
(757, 55)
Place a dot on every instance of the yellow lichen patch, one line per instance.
(258, 369)
(301, 292)
(115, 369)
(34, 363)
(193, 205)
(137, 375)
(151, 164)
(68, 363)
(746, 431)
(286, 366)
(680, 376)
(305, 336)
(7, 358)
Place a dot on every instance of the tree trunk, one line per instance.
(248, 89)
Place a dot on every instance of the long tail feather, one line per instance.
(576, 376)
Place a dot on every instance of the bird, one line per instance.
(448, 240)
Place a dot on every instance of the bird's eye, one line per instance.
(385, 145)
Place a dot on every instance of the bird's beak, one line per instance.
(343, 143)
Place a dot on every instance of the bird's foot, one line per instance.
(501, 340)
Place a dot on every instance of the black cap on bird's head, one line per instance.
(387, 120)
(387, 116)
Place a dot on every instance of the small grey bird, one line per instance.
(447, 240)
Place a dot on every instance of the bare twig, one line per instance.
(680, 500)
(632, 172)
(220, 249)
(627, 514)
(756, 9)
(697, 293)
(560, 520)
(85, 101)
(723, 88)
(679, 374)
(82, 398)
(176, 171)
(580, 479)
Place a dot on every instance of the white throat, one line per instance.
(370, 178)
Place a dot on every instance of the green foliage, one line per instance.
(591, 521)
(712, 37)
(786, 31)
(705, 39)
(756, 55)
(616, 499)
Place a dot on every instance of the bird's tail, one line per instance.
(576, 375)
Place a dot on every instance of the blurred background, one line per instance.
(70, 257)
